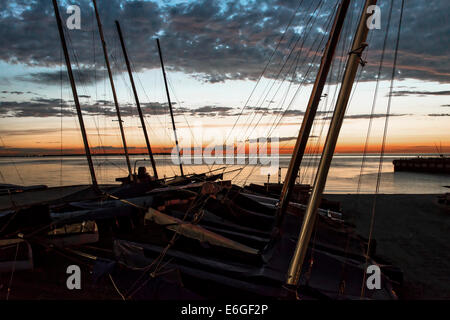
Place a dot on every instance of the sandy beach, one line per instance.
(412, 231)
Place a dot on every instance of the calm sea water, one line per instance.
(344, 175)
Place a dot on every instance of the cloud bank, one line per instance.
(215, 40)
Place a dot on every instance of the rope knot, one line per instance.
(359, 51)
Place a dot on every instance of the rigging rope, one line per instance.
(12, 272)
(82, 80)
(304, 36)
(276, 123)
(13, 162)
(313, 161)
(61, 116)
(347, 243)
(306, 74)
(372, 112)
(383, 145)
(187, 122)
(265, 68)
(134, 287)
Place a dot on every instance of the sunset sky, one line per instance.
(214, 53)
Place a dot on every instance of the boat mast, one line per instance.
(170, 106)
(138, 104)
(353, 61)
(111, 80)
(75, 97)
(308, 119)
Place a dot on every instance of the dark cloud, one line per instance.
(283, 139)
(212, 111)
(285, 113)
(54, 107)
(439, 115)
(111, 148)
(296, 113)
(402, 93)
(217, 40)
(368, 116)
(107, 108)
(14, 92)
(29, 132)
(82, 76)
(38, 107)
(24, 150)
(290, 113)
(19, 93)
(280, 139)
(445, 105)
(43, 107)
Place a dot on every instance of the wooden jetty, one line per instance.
(428, 165)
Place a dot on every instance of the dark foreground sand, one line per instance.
(412, 231)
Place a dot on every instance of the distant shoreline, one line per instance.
(168, 154)
(80, 155)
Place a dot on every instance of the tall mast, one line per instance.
(170, 106)
(353, 61)
(111, 80)
(138, 104)
(75, 96)
(311, 110)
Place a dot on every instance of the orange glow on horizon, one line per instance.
(164, 149)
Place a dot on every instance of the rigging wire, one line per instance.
(263, 97)
(97, 115)
(313, 161)
(275, 124)
(12, 272)
(149, 100)
(265, 68)
(293, 79)
(61, 117)
(82, 79)
(13, 162)
(383, 145)
(272, 80)
(187, 122)
(369, 129)
(306, 74)
(347, 243)
(199, 201)
(163, 126)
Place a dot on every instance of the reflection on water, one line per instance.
(343, 177)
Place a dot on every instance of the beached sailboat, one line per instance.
(207, 239)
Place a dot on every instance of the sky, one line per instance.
(215, 52)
